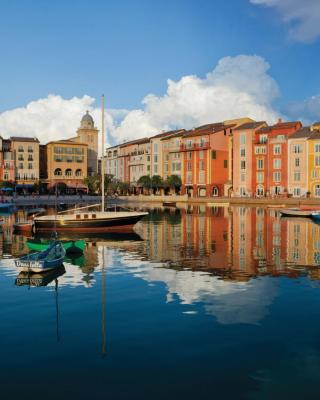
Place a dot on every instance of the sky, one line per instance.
(161, 64)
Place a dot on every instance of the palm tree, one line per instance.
(156, 182)
(174, 182)
(144, 182)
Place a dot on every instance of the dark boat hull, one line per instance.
(124, 224)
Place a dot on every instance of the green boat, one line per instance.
(70, 246)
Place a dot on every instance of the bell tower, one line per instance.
(88, 133)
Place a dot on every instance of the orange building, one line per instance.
(205, 154)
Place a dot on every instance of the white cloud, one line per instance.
(51, 118)
(303, 16)
(308, 110)
(238, 86)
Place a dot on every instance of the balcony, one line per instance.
(194, 146)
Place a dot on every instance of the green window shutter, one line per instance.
(214, 154)
(225, 163)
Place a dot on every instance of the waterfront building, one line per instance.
(243, 137)
(205, 153)
(157, 153)
(7, 169)
(25, 151)
(270, 163)
(125, 150)
(298, 176)
(140, 160)
(314, 162)
(112, 162)
(87, 134)
(66, 165)
(172, 160)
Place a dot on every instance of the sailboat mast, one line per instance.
(102, 159)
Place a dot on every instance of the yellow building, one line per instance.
(314, 163)
(26, 159)
(88, 134)
(66, 163)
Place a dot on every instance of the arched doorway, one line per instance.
(202, 192)
(215, 191)
(260, 191)
(189, 191)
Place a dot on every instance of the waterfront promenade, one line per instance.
(140, 199)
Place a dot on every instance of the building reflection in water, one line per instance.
(213, 256)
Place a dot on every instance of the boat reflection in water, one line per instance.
(39, 279)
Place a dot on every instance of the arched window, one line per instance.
(68, 172)
(57, 172)
(78, 172)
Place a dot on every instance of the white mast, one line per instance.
(102, 159)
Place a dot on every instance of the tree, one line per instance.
(124, 187)
(144, 182)
(156, 182)
(174, 182)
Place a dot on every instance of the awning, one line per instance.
(74, 186)
(6, 189)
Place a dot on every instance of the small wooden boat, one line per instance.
(169, 204)
(70, 246)
(43, 261)
(297, 212)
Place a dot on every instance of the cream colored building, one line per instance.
(26, 158)
(140, 160)
(112, 162)
(172, 158)
(88, 134)
(66, 163)
(298, 162)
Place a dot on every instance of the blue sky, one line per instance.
(128, 49)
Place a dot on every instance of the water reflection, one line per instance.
(211, 256)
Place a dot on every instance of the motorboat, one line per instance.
(70, 246)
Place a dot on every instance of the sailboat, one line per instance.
(90, 221)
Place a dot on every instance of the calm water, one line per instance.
(205, 303)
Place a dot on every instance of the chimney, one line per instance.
(279, 120)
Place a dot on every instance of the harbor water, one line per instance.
(199, 303)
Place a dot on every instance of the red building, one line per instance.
(205, 152)
(270, 158)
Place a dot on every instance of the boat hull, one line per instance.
(71, 246)
(124, 224)
(297, 213)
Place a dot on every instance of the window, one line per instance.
(189, 167)
(260, 177)
(242, 152)
(148, 167)
(20, 165)
(20, 149)
(297, 162)
(6, 176)
(242, 164)
(243, 177)
(297, 148)
(156, 169)
(297, 176)
(201, 177)
(317, 161)
(314, 173)
(201, 155)
(68, 172)
(263, 139)
(277, 176)
(57, 172)
(296, 191)
(317, 147)
(277, 163)
(148, 158)
(155, 147)
(242, 139)
(260, 163)
(30, 158)
(277, 149)
(317, 190)
(189, 144)
(30, 149)
(213, 154)
(189, 155)
(225, 163)
(201, 165)
(30, 166)
(78, 172)
(155, 158)
(260, 150)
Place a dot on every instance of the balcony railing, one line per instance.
(194, 146)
